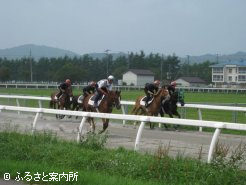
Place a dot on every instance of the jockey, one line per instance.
(150, 89)
(89, 89)
(171, 87)
(63, 88)
(102, 88)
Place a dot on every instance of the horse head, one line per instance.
(115, 98)
(164, 93)
(69, 91)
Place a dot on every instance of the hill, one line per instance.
(35, 51)
(239, 56)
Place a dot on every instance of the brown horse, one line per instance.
(154, 107)
(112, 99)
(63, 102)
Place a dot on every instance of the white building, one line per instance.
(138, 77)
(229, 74)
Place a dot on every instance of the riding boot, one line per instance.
(57, 96)
(96, 100)
(147, 100)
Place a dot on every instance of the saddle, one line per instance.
(92, 98)
(142, 101)
(80, 99)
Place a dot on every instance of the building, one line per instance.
(190, 82)
(229, 74)
(138, 77)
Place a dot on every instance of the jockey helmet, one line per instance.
(157, 82)
(68, 81)
(92, 83)
(173, 83)
(110, 77)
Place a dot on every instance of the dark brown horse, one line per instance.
(63, 102)
(77, 103)
(154, 107)
(112, 99)
(170, 106)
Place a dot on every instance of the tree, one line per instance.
(4, 73)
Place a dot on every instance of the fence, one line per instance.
(143, 119)
(127, 88)
(125, 104)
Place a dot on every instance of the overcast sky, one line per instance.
(183, 27)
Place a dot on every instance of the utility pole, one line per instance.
(107, 50)
(217, 58)
(128, 60)
(188, 64)
(162, 58)
(30, 60)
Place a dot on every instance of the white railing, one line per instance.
(37, 85)
(143, 119)
(125, 105)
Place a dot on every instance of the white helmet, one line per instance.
(110, 77)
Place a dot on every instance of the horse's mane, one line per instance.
(159, 91)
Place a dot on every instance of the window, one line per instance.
(230, 70)
(229, 78)
(218, 70)
(242, 78)
(218, 78)
(242, 70)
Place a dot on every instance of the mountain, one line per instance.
(35, 51)
(239, 56)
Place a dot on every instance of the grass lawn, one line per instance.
(92, 164)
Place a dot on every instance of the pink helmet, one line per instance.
(92, 83)
(157, 82)
(173, 83)
(68, 81)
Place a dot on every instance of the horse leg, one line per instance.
(162, 115)
(105, 125)
(178, 115)
(93, 126)
(135, 111)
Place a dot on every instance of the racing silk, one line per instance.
(63, 86)
(151, 87)
(104, 84)
(88, 90)
(171, 89)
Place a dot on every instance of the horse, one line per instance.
(53, 101)
(154, 107)
(63, 102)
(77, 103)
(170, 106)
(107, 102)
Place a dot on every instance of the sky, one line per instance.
(180, 27)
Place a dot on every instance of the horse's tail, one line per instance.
(134, 109)
(51, 103)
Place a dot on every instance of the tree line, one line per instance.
(87, 68)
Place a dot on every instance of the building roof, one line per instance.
(144, 72)
(193, 79)
(237, 63)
